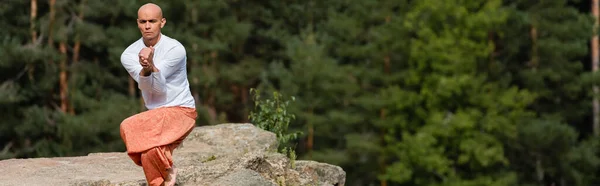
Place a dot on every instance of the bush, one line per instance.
(272, 115)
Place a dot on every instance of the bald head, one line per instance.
(150, 21)
(150, 9)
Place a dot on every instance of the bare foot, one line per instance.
(170, 181)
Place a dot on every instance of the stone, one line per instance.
(245, 177)
(325, 174)
(224, 154)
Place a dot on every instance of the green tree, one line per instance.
(448, 119)
(396, 92)
(540, 49)
(38, 123)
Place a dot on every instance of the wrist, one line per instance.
(146, 71)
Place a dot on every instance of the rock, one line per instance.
(242, 177)
(225, 154)
(325, 173)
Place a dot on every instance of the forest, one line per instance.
(396, 92)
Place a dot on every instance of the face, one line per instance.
(150, 21)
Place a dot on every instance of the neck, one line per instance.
(152, 42)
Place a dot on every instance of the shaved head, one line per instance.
(150, 8)
(150, 21)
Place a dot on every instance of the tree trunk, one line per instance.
(32, 30)
(131, 87)
(210, 100)
(387, 64)
(387, 70)
(534, 50)
(76, 49)
(382, 160)
(195, 81)
(539, 169)
(50, 39)
(51, 22)
(98, 89)
(194, 62)
(212, 114)
(244, 92)
(77, 45)
(63, 77)
(595, 59)
(493, 53)
(311, 134)
(32, 21)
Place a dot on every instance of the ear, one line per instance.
(163, 21)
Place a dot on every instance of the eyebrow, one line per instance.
(150, 20)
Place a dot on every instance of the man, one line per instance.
(158, 64)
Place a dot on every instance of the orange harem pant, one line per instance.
(151, 137)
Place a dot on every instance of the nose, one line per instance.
(147, 25)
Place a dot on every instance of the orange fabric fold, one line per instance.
(152, 136)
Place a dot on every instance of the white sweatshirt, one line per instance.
(169, 86)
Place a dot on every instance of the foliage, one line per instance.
(548, 151)
(271, 114)
(479, 92)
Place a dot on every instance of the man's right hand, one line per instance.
(146, 55)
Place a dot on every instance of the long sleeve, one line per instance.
(171, 63)
(134, 68)
(145, 83)
(154, 83)
(167, 85)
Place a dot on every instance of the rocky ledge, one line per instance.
(225, 154)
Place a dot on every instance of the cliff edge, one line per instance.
(224, 154)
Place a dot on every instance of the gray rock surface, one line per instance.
(225, 154)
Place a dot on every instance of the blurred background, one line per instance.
(396, 92)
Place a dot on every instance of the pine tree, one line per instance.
(539, 49)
